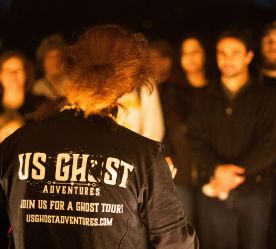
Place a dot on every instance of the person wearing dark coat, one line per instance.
(232, 138)
(77, 179)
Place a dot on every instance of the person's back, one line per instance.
(76, 179)
(81, 179)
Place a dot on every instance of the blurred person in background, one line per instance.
(165, 66)
(176, 98)
(17, 104)
(16, 79)
(163, 57)
(268, 56)
(193, 62)
(233, 144)
(48, 56)
(267, 72)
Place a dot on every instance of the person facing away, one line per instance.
(48, 56)
(232, 139)
(77, 179)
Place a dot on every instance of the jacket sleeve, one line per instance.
(204, 158)
(161, 211)
(261, 153)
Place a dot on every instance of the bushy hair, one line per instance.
(104, 63)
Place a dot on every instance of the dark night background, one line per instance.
(23, 23)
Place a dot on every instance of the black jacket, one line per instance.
(72, 182)
(239, 131)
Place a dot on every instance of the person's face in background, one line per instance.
(51, 63)
(233, 58)
(192, 56)
(162, 65)
(13, 75)
(268, 49)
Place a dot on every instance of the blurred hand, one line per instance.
(228, 177)
(171, 166)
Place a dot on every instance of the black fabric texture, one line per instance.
(72, 182)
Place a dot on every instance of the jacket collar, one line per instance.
(217, 88)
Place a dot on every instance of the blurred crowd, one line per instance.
(216, 118)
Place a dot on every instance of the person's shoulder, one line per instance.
(39, 85)
(11, 143)
(29, 130)
(136, 141)
(18, 134)
(262, 90)
(36, 98)
(135, 137)
(261, 97)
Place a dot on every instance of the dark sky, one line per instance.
(24, 22)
